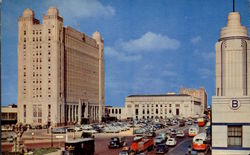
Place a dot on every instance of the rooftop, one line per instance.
(157, 95)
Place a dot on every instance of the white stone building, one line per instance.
(231, 105)
(162, 106)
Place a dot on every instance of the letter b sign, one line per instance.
(235, 104)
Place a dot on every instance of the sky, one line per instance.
(151, 47)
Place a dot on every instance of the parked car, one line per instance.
(189, 123)
(116, 142)
(161, 149)
(180, 133)
(78, 128)
(58, 130)
(182, 123)
(163, 135)
(38, 127)
(171, 142)
(158, 140)
(173, 132)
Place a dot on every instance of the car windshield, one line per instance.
(114, 139)
(170, 139)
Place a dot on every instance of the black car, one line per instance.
(161, 149)
(116, 142)
(182, 123)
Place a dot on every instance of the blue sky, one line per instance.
(150, 46)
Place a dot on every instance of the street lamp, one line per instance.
(51, 133)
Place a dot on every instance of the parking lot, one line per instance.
(33, 138)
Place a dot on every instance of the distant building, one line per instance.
(118, 112)
(161, 106)
(199, 93)
(9, 115)
(231, 104)
(60, 72)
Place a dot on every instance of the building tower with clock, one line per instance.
(231, 104)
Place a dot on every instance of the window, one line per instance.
(120, 111)
(39, 120)
(24, 110)
(112, 111)
(24, 46)
(39, 111)
(234, 135)
(33, 31)
(24, 32)
(115, 111)
(177, 112)
(136, 111)
(24, 39)
(143, 111)
(35, 110)
(49, 31)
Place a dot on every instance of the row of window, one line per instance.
(115, 111)
(36, 32)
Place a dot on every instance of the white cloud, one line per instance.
(110, 51)
(204, 72)
(151, 42)
(83, 8)
(196, 39)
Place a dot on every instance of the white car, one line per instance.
(180, 133)
(87, 127)
(171, 142)
(78, 128)
(92, 131)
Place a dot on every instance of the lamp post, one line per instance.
(51, 133)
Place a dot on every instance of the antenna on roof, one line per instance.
(233, 5)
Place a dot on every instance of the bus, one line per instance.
(193, 131)
(201, 122)
(83, 146)
(200, 142)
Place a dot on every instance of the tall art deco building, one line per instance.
(60, 72)
(231, 105)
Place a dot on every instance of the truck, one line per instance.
(143, 144)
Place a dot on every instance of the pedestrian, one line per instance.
(32, 135)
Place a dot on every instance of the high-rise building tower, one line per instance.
(60, 72)
(199, 93)
(231, 105)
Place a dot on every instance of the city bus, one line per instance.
(193, 131)
(201, 122)
(200, 142)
